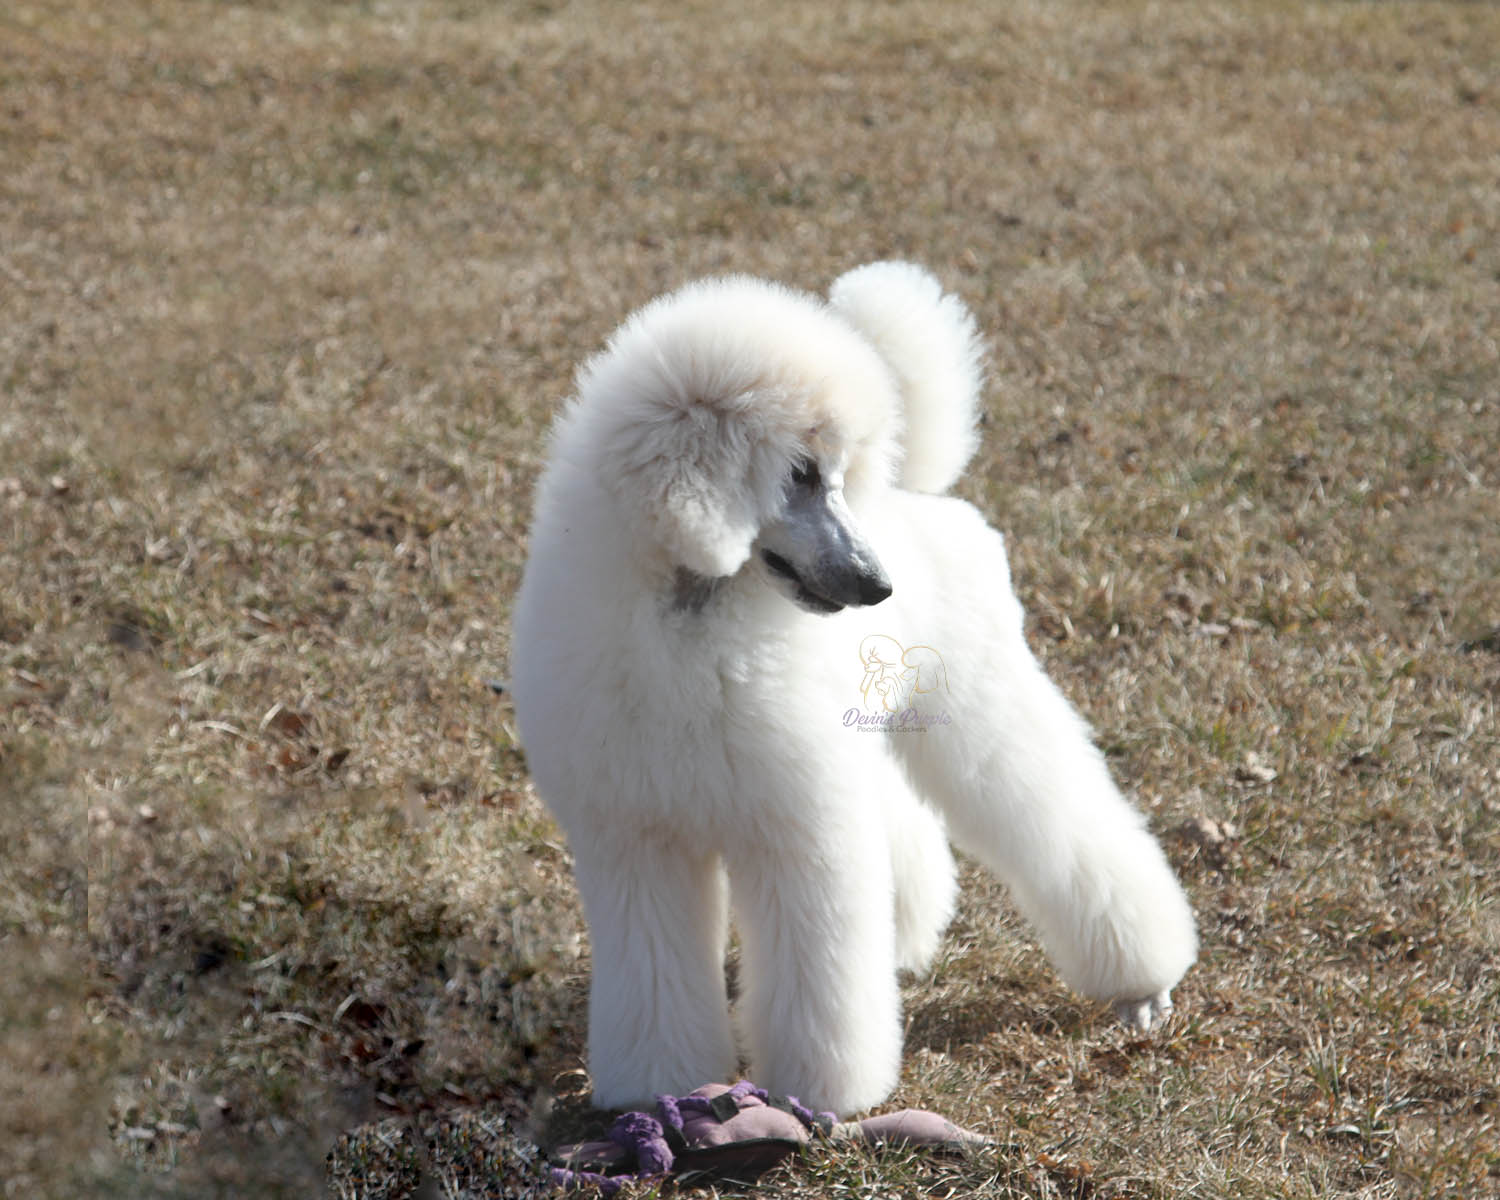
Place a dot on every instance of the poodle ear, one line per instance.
(686, 479)
(705, 518)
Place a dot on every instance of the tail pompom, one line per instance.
(931, 344)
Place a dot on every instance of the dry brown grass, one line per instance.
(288, 292)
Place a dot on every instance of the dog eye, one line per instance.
(805, 473)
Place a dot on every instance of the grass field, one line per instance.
(288, 293)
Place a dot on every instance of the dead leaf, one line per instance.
(285, 721)
(262, 619)
(1255, 769)
(1205, 831)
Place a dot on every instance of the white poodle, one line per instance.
(760, 664)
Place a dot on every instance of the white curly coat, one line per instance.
(706, 743)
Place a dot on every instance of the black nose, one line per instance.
(873, 587)
(853, 585)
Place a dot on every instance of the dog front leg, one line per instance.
(658, 1012)
(820, 1011)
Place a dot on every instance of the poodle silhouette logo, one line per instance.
(896, 678)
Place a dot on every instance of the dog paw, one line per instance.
(1140, 1015)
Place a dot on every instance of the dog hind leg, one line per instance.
(923, 875)
(1026, 792)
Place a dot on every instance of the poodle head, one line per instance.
(735, 425)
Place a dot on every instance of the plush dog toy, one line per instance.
(737, 1132)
